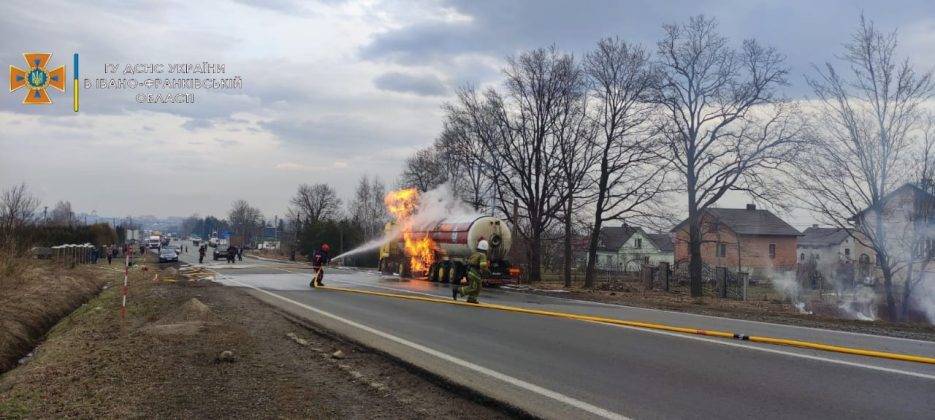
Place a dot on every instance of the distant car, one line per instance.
(220, 252)
(168, 255)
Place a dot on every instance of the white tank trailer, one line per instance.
(455, 239)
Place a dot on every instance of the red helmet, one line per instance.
(325, 247)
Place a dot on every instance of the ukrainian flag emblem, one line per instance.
(37, 78)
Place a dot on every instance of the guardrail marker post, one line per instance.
(126, 275)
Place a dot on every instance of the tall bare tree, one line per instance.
(367, 209)
(723, 120)
(519, 131)
(245, 220)
(920, 231)
(466, 161)
(62, 214)
(316, 202)
(17, 209)
(576, 135)
(864, 126)
(628, 174)
(425, 170)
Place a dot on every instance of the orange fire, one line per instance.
(419, 247)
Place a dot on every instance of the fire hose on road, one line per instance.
(656, 326)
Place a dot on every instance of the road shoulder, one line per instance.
(168, 360)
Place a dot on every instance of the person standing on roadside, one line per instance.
(319, 259)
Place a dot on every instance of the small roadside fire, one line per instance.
(419, 246)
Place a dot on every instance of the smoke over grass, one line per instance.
(788, 286)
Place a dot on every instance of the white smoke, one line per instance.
(923, 297)
(788, 286)
(440, 204)
(854, 300)
(434, 205)
(859, 303)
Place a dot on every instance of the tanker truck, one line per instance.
(454, 239)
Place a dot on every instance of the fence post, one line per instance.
(721, 281)
(647, 274)
(664, 275)
(746, 280)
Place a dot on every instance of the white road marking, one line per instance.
(777, 351)
(581, 405)
(706, 339)
(560, 300)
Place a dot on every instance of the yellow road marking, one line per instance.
(655, 326)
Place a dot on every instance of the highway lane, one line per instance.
(627, 371)
(370, 280)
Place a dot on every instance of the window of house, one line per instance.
(772, 250)
(847, 253)
(638, 244)
(721, 250)
(802, 257)
(645, 260)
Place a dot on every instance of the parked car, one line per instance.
(168, 255)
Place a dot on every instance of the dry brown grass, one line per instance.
(93, 364)
(34, 295)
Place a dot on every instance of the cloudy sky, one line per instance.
(332, 90)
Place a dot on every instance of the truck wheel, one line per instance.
(405, 271)
(433, 272)
(445, 268)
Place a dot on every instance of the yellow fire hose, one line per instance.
(660, 327)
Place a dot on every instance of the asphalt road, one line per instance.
(562, 368)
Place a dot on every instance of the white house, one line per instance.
(628, 248)
(830, 245)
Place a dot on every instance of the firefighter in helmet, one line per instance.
(477, 265)
(319, 259)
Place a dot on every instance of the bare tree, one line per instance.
(316, 202)
(424, 170)
(466, 161)
(628, 174)
(920, 231)
(575, 134)
(245, 220)
(723, 120)
(17, 209)
(863, 133)
(62, 214)
(519, 131)
(367, 209)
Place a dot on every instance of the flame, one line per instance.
(419, 246)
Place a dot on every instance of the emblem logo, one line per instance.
(37, 78)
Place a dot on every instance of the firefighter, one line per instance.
(319, 259)
(201, 254)
(477, 265)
